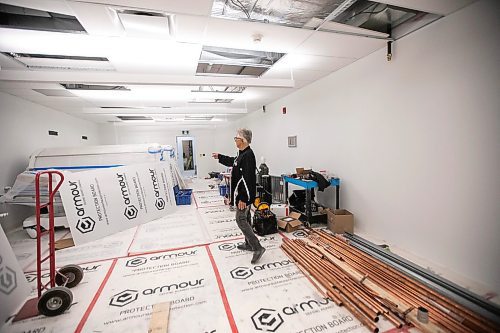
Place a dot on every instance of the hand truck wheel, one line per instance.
(69, 276)
(55, 301)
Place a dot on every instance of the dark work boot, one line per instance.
(244, 247)
(257, 255)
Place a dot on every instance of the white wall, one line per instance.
(205, 140)
(415, 141)
(24, 128)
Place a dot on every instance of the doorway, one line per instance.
(186, 156)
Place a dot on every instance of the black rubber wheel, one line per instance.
(55, 301)
(69, 276)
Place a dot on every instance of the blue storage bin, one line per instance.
(223, 190)
(183, 197)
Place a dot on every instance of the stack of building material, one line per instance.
(370, 288)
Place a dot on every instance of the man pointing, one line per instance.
(243, 188)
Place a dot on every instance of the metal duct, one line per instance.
(288, 12)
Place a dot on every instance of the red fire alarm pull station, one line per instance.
(283, 109)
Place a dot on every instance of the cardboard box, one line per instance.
(290, 223)
(280, 210)
(340, 220)
(302, 171)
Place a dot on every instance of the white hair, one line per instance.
(246, 134)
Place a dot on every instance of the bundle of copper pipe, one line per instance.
(370, 288)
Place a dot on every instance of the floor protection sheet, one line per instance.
(185, 278)
(205, 199)
(282, 298)
(109, 247)
(180, 229)
(83, 294)
(220, 223)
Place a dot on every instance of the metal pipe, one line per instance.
(366, 264)
(341, 290)
(462, 298)
(316, 260)
(396, 277)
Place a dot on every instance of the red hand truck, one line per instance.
(55, 300)
(58, 299)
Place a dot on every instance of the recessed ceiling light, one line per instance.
(58, 61)
(17, 17)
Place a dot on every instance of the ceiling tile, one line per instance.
(193, 7)
(312, 62)
(340, 45)
(239, 34)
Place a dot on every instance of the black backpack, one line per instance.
(264, 221)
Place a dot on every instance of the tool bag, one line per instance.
(264, 221)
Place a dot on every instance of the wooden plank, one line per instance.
(159, 318)
(64, 243)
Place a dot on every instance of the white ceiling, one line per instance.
(160, 71)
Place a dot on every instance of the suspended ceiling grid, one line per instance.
(160, 69)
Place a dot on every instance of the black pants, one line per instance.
(244, 222)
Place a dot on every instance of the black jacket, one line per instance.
(243, 178)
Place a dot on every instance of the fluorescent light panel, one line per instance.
(133, 118)
(57, 61)
(82, 86)
(220, 89)
(235, 62)
(213, 101)
(17, 17)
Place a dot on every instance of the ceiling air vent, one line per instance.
(375, 16)
(133, 118)
(81, 86)
(119, 107)
(32, 19)
(62, 62)
(222, 89)
(235, 62)
(204, 118)
(144, 23)
(378, 17)
(166, 119)
(135, 107)
(213, 101)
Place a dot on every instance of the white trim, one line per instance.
(236, 189)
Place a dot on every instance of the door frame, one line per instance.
(180, 155)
